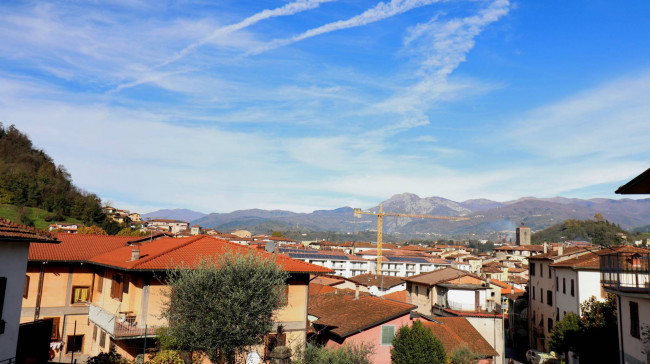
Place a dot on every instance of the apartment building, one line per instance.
(15, 241)
(542, 291)
(173, 226)
(109, 293)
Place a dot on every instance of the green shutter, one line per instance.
(387, 335)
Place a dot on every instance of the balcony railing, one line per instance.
(626, 272)
(122, 326)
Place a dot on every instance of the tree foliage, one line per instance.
(596, 328)
(600, 232)
(464, 355)
(223, 306)
(95, 230)
(29, 177)
(346, 354)
(417, 345)
(565, 335)
(107, 358)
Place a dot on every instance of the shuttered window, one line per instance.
(387, 334)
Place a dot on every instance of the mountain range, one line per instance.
(488, 219)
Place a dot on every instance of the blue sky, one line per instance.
(317, 104)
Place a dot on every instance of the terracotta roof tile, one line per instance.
(400, 296)
(347, 316)
(585, 261)
(79, 247)
(455, 332)
(438, 276)
(369, 279)
(10, 231)
(168, 253)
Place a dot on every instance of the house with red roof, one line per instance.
(114, 288)
(15, 241)
(456, 333)
(341, 316)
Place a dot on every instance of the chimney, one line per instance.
(545, 248)
(356, 292)
(135, 254)
(560, 249)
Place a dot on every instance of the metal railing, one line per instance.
(626, 272)
(120, 326)
(8, 361)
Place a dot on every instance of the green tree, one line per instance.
(220, 307)
(565, 334)
(464, 355)
(417, 345)
(95, 230)
(598, 329)
(277, 234)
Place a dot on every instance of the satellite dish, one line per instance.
(270, 247)
(374, 290)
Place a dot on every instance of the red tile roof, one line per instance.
(347, 316)
(439, 276)
(400, 296)
(168, 253)
(10, 231)
(78, 247)
(585, 261)
(455, 332)
(369, 279)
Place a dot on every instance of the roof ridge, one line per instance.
(182, 245)
(28, 228)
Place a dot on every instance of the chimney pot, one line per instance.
(560, 249)
(356, 292)
(545, 248)
(135, 254)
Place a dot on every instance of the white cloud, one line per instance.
(379, 12)
(610, 120)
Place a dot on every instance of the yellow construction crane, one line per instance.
(380, 225)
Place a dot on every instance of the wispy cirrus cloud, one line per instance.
(379, 12)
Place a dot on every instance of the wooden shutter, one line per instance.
(26, 289)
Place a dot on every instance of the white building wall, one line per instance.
(564, 301)
(13, 266)
(587, 285)
(492, 331)
(632, 347)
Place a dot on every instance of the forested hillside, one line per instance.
(29, 178)
(598, 231)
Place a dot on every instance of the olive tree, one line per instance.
(221, 306)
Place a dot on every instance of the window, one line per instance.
(550, 325)
(634, 320)
(557, 314)
(563, 285)
(75, 343)
(541, 270)
(26, 289)
(549, 271)
(541, 295)
(416, 290)
(428, 291)
(557, 284)
(100, 283)
(533, 290)
(94, 333)
(573, 293)
(387, 334)
(408, 288)
(102, 339)
(549, 297)
(532, 269)
(116, 287)
(55, 328)
(80, 294)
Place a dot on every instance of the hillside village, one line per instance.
(99, 292)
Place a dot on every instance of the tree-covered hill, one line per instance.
(597, 231)
(30, 178)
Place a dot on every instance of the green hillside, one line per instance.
(35, 191)
(598, 231)
(33, 216)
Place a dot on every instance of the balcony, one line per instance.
(626, 272)
(122, 326)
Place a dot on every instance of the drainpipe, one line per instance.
(41, 275)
